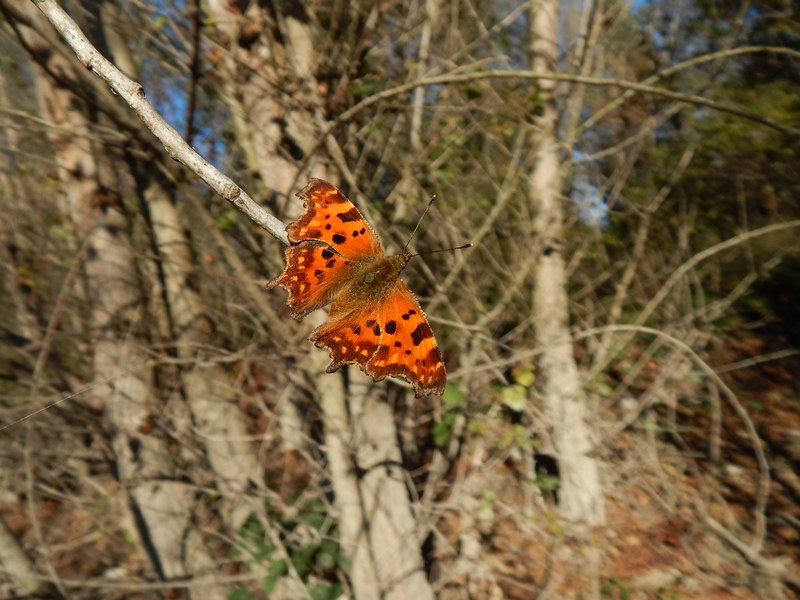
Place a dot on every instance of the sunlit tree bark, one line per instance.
(161, 506)
(580, 494)
(378, 529)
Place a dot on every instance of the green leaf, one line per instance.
(241, 594)
(326, 592)
(328, 554)
(364, 88)
(301, 558)
(442, 432)
(275, 571)
(548, 483)
(478, 427)
(514, 397)
(277, 568)
(600, 387)
(227, 219)
(269, 584)
(524, 375)
(452, 397)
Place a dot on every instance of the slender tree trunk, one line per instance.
(217, 420)
(378, 531)
(204, 386)
(580, 494)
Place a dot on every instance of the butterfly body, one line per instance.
(375, 321)
(372, 279)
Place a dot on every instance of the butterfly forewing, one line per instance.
(313, 275)
(331, 218)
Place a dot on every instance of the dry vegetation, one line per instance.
(191, 444)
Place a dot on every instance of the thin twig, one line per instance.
(758, 447)
(701, 256)
(133, 94)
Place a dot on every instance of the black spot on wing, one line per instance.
(390, 327)
(349, 216)
(407, 316)
(338, 238)
(433, 358)
(327, 254)
(422, 332)
(376, 329)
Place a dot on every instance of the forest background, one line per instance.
(621, 417)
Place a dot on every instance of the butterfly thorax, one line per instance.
(374, 277)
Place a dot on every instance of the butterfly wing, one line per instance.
(331, 218)
(325, 242)
(390, 338)
(313, 275)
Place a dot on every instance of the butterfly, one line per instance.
(334, 257)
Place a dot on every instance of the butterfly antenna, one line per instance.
(413, 233)
(441, 250)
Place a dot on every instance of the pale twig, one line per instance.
(692, 62)
(690, 264)
(701, 256)
(632, 263)
(772, 566)
(133, 94)
(567, 77)
(757, 360)
(758, 447)
(630, 88)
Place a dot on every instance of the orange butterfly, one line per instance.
(375, 321)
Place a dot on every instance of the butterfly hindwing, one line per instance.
(392, 338)
(352, 339)
(407, 348)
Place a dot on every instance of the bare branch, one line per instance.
(133, 93)
(701, 256)
(759, 510)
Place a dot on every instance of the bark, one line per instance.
(25, 321)
(266, 122)
(220, 426)
(580, 494)
(216, 419)
(378, 529)
(385, 502)
(17, 566)
(160, 506)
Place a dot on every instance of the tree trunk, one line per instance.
(580, 494)
(160, 506)
(377, 525)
